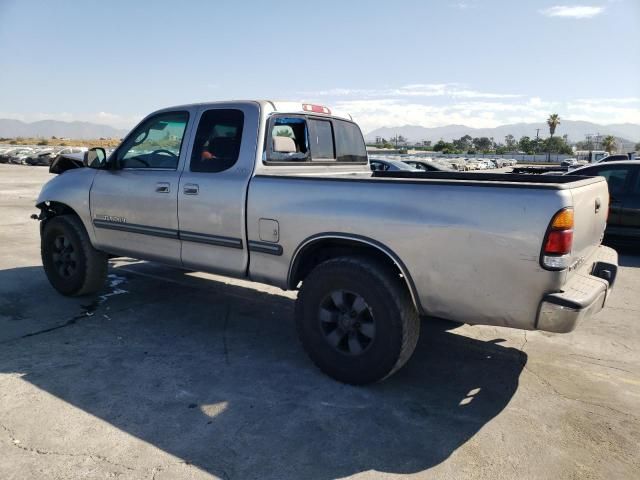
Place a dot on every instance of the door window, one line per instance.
(218, 139)
(636, 187)
(616, 178)
(156, 143)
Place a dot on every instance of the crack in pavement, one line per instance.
(525, 341)
(17, 444)
(548, 384)
(603, 365)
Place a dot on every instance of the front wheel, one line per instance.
(356, 320)
(72, 265)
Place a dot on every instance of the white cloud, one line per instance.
(464, 5)
(429, 105)
(601, 101)
(453, 90)
(105, 118)
(372, 113)
(608, 111)
(437, 104)
(572, 11)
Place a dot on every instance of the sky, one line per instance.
(479, 63)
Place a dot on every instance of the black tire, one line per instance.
(380, 350)
(72, 265)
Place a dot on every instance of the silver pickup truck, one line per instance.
(281, 193)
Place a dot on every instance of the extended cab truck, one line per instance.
(282, 193)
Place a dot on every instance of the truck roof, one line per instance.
(280, 106)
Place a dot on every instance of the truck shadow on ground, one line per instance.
(213, 374)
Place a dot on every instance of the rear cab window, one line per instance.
(310, 139)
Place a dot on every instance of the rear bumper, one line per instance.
(584, 295)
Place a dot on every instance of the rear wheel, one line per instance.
(72, 265)
(356, 320)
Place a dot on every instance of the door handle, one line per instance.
(163, 187)
(190, 189)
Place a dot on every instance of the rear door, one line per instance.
(212, 195)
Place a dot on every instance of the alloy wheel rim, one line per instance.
(64, 256)
(347, 322)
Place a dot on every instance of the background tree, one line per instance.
(553, 121)
(557, 145)
(464, 144)
(637, 146)
(609, 143)
(482, 144)
(440, 146)
(510, 142)
(526, 145)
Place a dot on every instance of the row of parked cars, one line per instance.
(43, 156)
(462, 164)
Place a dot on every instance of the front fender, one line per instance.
(72, 190)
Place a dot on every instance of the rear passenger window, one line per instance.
(349, 142)
(218, 138)
(321, 136)
(299, 138)
(289, 140)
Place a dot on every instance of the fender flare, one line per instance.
(309, 241)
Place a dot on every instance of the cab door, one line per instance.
(134, 203)
(212, 195)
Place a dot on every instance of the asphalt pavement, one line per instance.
(169, 374)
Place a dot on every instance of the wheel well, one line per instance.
(52, 209)
(318, 251)
(49, 210)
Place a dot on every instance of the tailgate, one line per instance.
(591, 207)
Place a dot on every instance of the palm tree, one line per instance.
(609, 143)
(553, 121)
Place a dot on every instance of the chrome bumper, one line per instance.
(584, 295)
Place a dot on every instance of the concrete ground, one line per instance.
(176, 375)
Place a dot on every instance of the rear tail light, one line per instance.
(308, 107)
(558, 241)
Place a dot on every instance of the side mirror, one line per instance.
(95, 158)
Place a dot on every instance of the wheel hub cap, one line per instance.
(64, 256)
(347, 322)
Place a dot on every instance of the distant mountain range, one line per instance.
(49, 128)
(575, 129)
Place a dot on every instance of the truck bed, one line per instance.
(463, 247)
(505, 180)
(514, 180)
